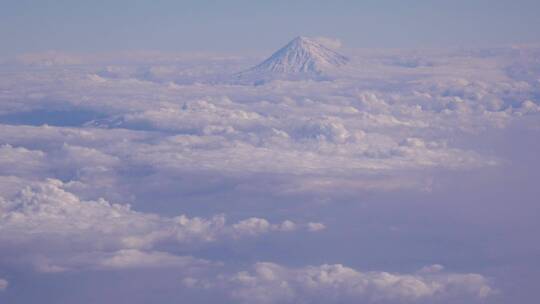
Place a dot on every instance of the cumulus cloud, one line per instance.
(284, 127)
(73, 260)
(316, 226)
(329, 42)
(119, 236)
(327, 128)
(21, 161)
(194, 117)
(133, 258)
(273, 283)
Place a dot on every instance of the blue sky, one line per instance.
(233, 26)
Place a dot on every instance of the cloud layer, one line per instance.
(98, 234)
(164, 167)
(272, 283)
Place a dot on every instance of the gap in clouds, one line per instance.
(60, 117)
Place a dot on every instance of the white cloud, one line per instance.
(252, 226)
(329, 42)
(273, 283)
(256, 226)
(74, 260)
(285, 127)
(431, 268)
(527, 107)
(287, 225)
(133, 258)
(194, 117)
(119, 237)
(316, 226)
(21, 161)
(325, 129)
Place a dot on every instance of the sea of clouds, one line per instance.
(161, 170)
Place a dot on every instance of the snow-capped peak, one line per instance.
(301, 55)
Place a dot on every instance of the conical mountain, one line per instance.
(302, 57)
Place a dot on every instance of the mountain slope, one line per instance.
(300, 58)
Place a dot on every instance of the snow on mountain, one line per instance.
(302, 57)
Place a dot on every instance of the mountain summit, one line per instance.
(301, 58)
(301, 55)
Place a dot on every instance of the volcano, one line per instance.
(302, 57)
